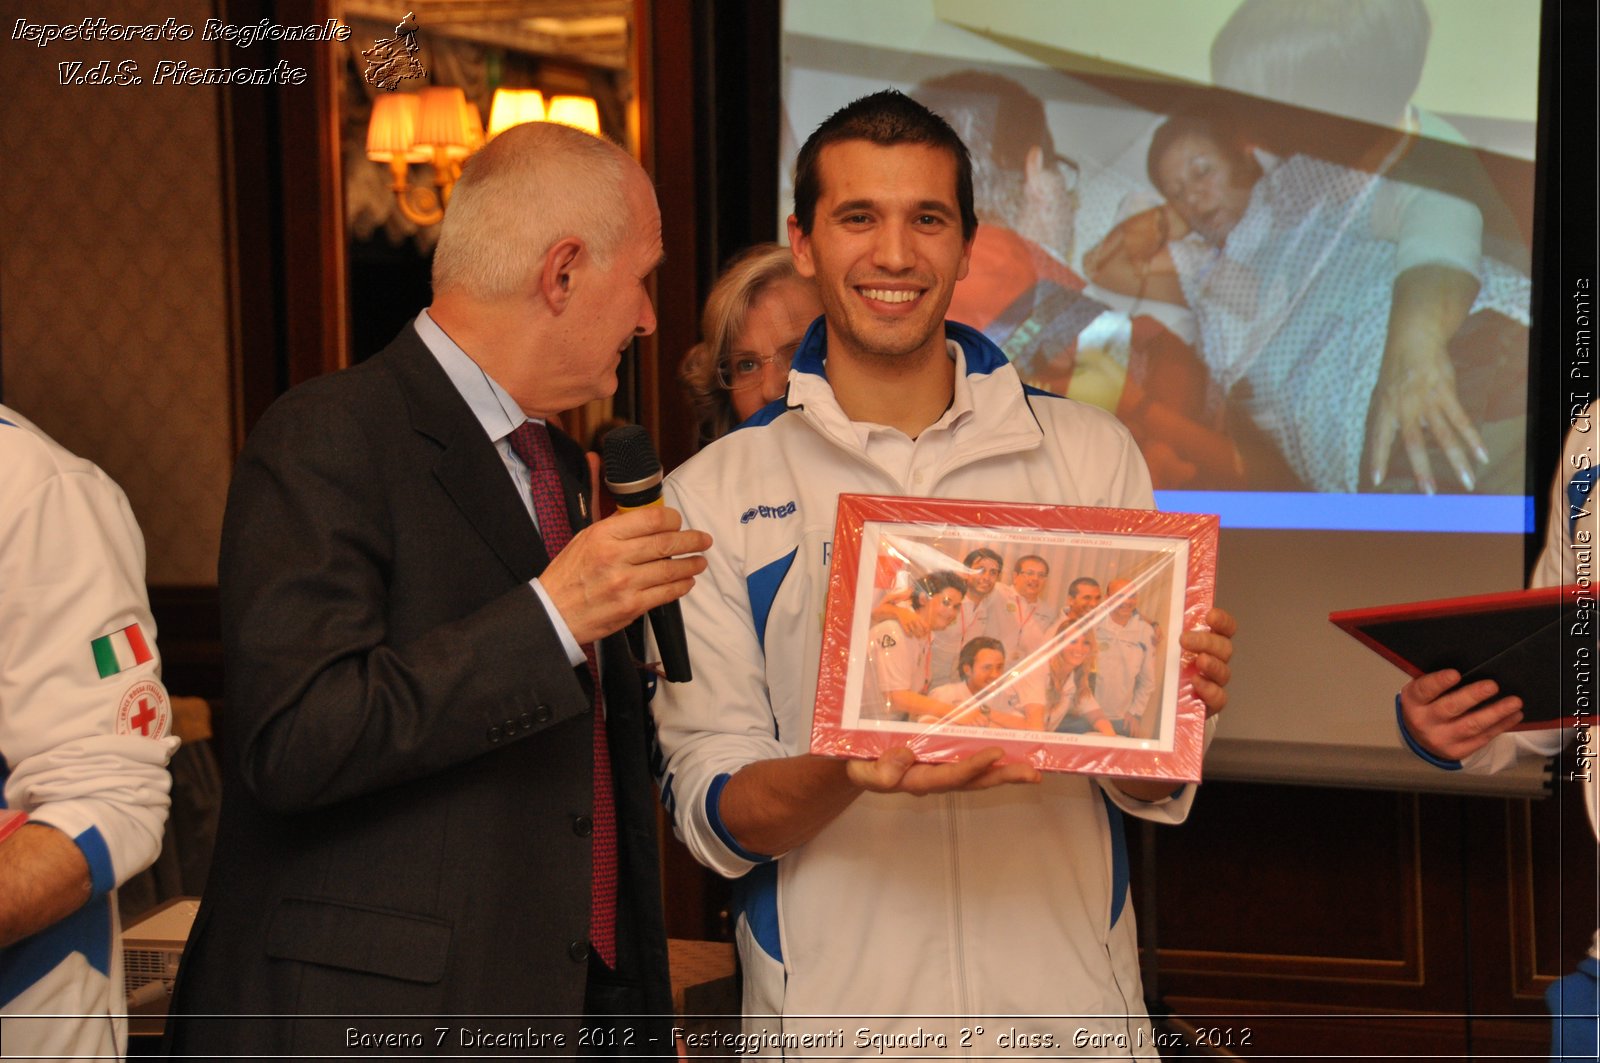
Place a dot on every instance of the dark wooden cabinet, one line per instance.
(1369, 923)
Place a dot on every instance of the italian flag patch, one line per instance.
(120, 650)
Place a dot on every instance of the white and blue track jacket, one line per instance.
(1011, 901)
(1567, 560)
(84, 729)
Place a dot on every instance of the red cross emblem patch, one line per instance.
(145, 711)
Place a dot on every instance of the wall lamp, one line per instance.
(440, 127)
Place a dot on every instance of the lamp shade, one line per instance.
(442, 120)
(392, 129)
(474, 121)
(580, 112)
(514, 107)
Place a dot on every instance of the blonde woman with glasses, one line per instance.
(754, 319)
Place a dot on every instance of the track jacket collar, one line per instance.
(1002, 419)
(982, 356)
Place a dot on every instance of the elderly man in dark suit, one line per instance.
(431, 808)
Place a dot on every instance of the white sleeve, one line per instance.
(894, 658)
(85, 744)
(1505, 750)
(1427, 227)
(1032, 687)
(721, 721)
(1145, 683)
(1172, 809)
(1552, 569)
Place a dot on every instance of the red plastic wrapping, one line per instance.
(893, 563)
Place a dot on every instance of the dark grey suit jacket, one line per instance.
(407, 751)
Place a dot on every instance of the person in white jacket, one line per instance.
(875, 892)
(1469, 728)
(84, 744)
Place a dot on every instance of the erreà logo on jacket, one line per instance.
(777, 512)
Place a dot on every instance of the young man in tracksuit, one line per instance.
(891, 888)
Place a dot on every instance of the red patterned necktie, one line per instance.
(531, 442)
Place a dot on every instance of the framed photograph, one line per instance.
(1049, 631)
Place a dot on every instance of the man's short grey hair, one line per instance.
(531, 186)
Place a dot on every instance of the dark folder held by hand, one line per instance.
(1538, 645)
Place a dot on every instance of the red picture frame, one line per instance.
(888, 553)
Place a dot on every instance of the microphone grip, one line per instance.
(667, 623)
(666, 620)
(633, 476)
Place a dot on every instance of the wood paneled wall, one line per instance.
(1371, 923)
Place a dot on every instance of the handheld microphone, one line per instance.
(633, 478)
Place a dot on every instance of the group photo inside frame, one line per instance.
(1050, 631)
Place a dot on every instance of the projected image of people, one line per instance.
(1310, 277)
(1350, 317)
(1327, 297)
(1022, 292)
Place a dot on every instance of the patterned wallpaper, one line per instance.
(113, 272)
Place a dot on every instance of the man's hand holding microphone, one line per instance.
(632, 562)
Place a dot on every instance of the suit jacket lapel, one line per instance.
(468, 467)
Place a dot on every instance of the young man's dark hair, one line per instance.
(934, 582)
(969, 654)
(980, 554)
(884, 118)
(1072, 588)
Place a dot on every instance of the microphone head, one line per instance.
(630, 462)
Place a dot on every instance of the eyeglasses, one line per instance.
(741, 371)
(1032, 573)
